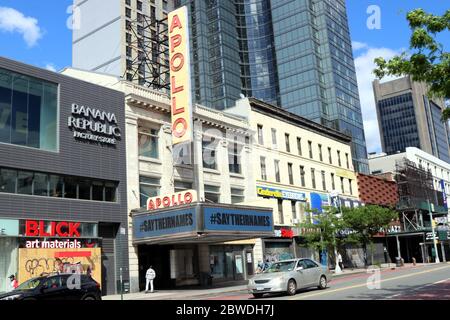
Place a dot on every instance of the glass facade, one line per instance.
(296, 54)
(398, 123)
(438, 133)
(28, 111)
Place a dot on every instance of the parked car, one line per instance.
(56, 287)
(289, 276)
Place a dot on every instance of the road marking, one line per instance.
(365, 284)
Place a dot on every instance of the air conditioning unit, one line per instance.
(295, 221)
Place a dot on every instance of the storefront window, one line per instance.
(148, 187)
(148, 143)
(28, 111)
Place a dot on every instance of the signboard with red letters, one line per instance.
(172, 200)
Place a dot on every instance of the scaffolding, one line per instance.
(148, 53)
(415, 187)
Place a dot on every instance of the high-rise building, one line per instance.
(296, 54)
(408, 117)
(293, 53)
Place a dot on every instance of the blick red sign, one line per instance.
(62, 229)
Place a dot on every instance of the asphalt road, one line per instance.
(414, 283)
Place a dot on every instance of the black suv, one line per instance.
(57, 287)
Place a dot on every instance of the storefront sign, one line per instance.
(284, 233)
(429, 236)
(94, 125)
(319, 200)
(280, 193)
(180, 76)
(444, 194)
(222, 219)
(61, 229)
(172, 200)
(9, 227)
(164, 223)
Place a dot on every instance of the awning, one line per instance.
(202, 223)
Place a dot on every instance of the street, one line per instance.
(415, 283)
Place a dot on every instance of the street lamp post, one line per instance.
(432, 231)
(337, 268)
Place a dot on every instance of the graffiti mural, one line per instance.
(39, 262)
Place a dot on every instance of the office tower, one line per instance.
(296, 54)
(117, 39)
(407, 117)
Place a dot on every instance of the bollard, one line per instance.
(414, 261)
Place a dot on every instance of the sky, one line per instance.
(37, 33)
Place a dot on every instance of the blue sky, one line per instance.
(42, 38)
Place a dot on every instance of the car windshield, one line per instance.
(30, 284)
(281, 266)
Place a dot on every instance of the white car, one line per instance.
(289, 276)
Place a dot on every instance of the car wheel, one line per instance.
(88, 298)
(258, 295)
(291, 287)
(322, 282)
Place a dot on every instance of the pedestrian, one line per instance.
(266, 265)
(341, 265)
(150, 275)
(13, 284)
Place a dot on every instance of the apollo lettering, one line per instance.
(170, 201)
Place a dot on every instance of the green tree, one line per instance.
(321, 233)
(366, 222)
(427, 60)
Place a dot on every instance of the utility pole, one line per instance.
(432, 231)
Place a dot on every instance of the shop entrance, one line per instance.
(159, 258)
(227, 263)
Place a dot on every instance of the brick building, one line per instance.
(378, 190)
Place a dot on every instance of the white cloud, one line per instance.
(364, 63)
(12, 20)
(51, 67)
(359, 45)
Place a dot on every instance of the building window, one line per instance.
(209, 152)
(212, 194)
(302, 176)
(127, 25)
(320, 153)
(128, 12)
(291, 177)
(128, 2)
(313, 178)
(237, 195)
(234, 156)
(339, 158)
(263, 168)
(324, 183)
(350, 186)
(49, 185)
(139, 5)
(182, 186)
(288, 145)
(128, 51)
(128, 37)
(294, 209)
(346, 159)
(330, 160)
(280, 212)
(274, 138)
(299, 146)
(148, 143)
(277, 170)
(342, 185)
(310, 149)
(148, 188)
(28, 111)
(260, 134)
(333, 186)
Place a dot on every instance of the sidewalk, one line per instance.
(181, 294)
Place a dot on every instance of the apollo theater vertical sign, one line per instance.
(180, 77)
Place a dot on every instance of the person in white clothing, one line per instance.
(150, 275)
(341, 265)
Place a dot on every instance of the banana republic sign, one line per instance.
(94, 125)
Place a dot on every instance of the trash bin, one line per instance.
(398, 262)
(205, 279)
